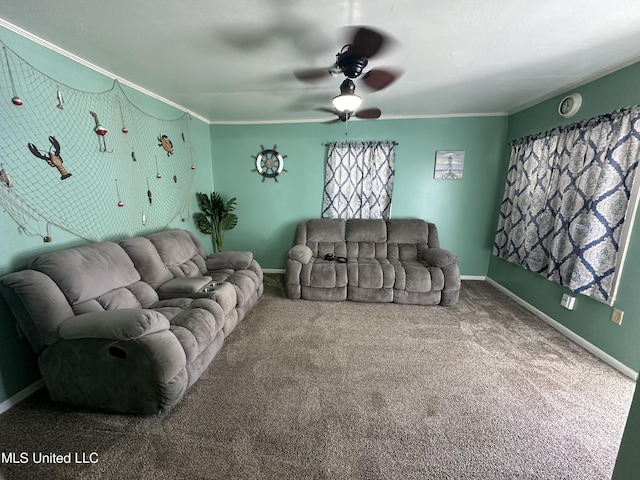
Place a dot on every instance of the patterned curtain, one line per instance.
(359, 180)
(566, 199)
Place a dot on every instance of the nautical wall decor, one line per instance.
(56, 121)
(52, 157)
(4, 177)
(165, 143)
(269, 163)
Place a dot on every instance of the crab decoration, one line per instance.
(165, 143)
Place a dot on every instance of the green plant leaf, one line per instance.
(231, 205)
(229, 221)
(217, 205)
(216, 216)
(204, 203)
(203, 223)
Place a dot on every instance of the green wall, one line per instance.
(268, 211)
(18, 367)
(465, 211)
(590, 319)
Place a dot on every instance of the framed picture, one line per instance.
(449, 164)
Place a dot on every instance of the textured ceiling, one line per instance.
(233, 61)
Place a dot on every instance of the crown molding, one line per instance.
(50, 46)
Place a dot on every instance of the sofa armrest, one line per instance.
(184, 285)
(439, 257)
(300, 253)
(229, 260)
(124, 324)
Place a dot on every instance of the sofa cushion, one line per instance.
(147, 261)
(323, 236)
(194, 322)
(323, 274)
(88, 272)
(366, 238)
(404, 251)
(370, 273)
(185, 285)
(412, 276)
(183, 256)
(326, 230)
(360, 250)
(136, 295)
(231, 260)
(195, 330)
(366, 230)
(408, 231)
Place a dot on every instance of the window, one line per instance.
(359, 180)
(566, 199)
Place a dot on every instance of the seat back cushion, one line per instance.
(100, 276)
(366, 238)
(411, 230)
(147, 261)
(322, 236)
(408, 237)
(181, 252)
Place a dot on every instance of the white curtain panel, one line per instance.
(359, 180)
(566, 198)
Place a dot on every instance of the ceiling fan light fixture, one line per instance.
(346, 102)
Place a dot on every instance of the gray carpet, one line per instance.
(482, 390)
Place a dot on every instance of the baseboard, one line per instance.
(273, 270)
(591, 348)
(473, 277)
(21, 395)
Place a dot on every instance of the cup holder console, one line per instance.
(209, 287)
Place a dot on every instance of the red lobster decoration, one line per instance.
(51, 157)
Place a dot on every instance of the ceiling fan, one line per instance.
(351, 61)
(346, 104)
(353, 58)
(366, 114)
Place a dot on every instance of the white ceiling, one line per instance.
(233, 60)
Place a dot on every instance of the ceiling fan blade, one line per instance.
(312, 74)
(369, 113)
(333, 112)
(367, 42)
(329, 110)
(378, 79)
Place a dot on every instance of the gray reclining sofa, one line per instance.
(130, 327)
(397, 260)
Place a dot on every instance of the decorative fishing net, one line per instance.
(120, 183)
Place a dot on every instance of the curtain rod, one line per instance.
(329, 143)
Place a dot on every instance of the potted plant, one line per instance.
(216, 216)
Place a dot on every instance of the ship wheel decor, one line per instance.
(269, 163)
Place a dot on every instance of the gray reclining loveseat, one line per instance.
(175, 264)
(397, 260)
(130, 327)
